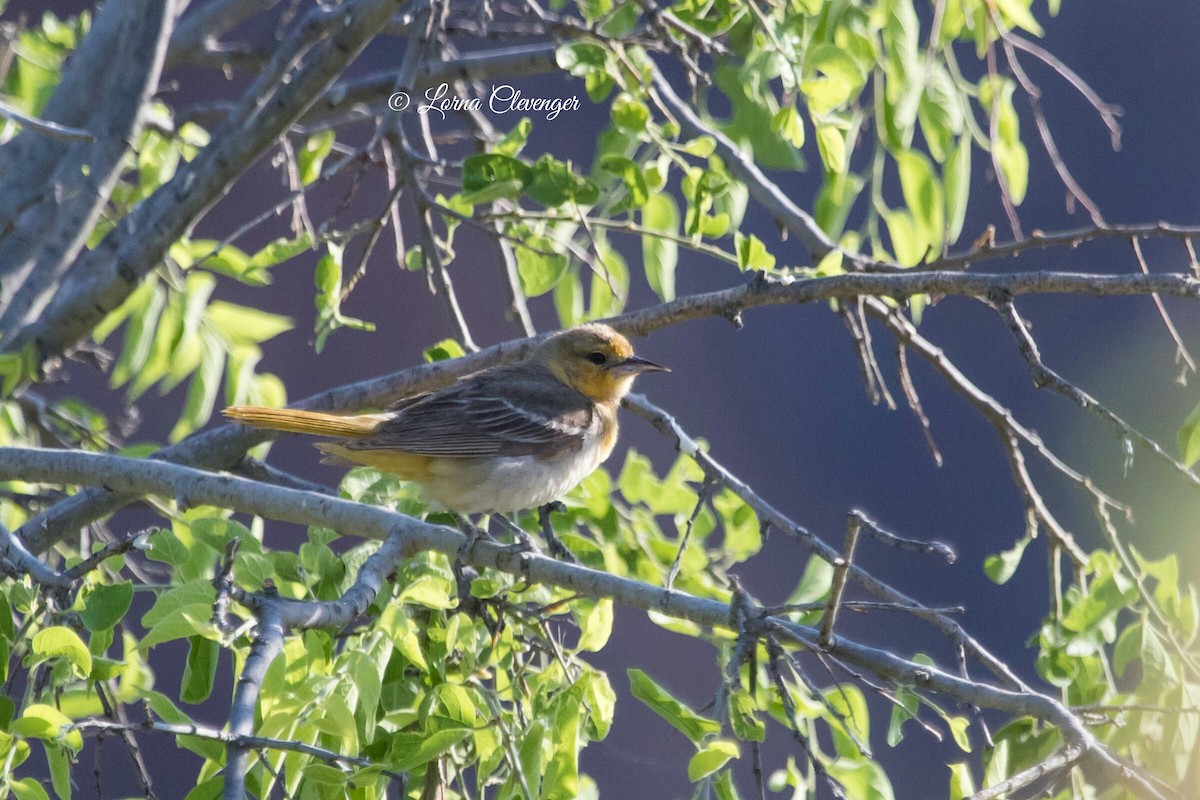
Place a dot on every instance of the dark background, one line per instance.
(781, 401)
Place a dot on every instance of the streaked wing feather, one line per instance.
(512, 411)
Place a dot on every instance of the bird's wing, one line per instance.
(519, 410)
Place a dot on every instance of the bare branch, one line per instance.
(409, 536)
(841, 566)
(103, 278)
(44, 127)
(195, 40)
(93, 725)
(41, 240)
(1181, 351)
(267, 644)
(769, 515)
(1044, 377)
(1011, 432)
(1039, 240)
(1061, 761)
(223, 447)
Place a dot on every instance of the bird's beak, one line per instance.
(636, 365)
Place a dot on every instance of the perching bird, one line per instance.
(501, 440)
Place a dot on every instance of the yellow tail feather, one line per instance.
(312, 422)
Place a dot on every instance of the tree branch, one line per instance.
(223, 447)
(412, 536)
(215, 735)
(104, 277)
(781, 207)
(268, 642)
(46, 233)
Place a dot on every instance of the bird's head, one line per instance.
(594, 360)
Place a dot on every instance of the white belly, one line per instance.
(508, 483)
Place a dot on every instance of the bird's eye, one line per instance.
(596, 358)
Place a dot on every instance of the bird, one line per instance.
(501, 440)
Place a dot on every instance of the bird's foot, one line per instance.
(557, 548)
(474, 536)
(524, 542)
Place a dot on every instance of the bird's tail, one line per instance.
(311, 422)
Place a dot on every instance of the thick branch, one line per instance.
(223, 447)
(268, 642)
(105, 276)
(413, 536)
(48, 234)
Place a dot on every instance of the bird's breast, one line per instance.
(503, 484)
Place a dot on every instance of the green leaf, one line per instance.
(629, 113)
(711, 758)
(595, 620)
(486, 169)
(923, 196)
(831, 143)
(444, 350)
(904, 709)
(414, 749)
(199, 671)
(208, 790)
(511, 143)
(908, 240)
(166, 548)
(277, 252)
(202, 391)
(743, 718)
(310, 157)
(539, 266)
(28, 789)
(962, 784)
(842, 75)
(632, 175)
(724, 787)
(325, 775)
(1017, 13)
(568, 300)
(660, 255)
(751, 252)
(187, 620)
(245, 324)
(1001, 566)
(62, 642)
(139, 334)
(552, 182)
(60, 770)
(788, 123)
(862, 779)
(105, 606)
(852, 718)
(1014, 163)
(610, 282)
(40, 721)
(680, 717)
(430, 591)
(1189, 437)
(601, 699)
(958, 187)
(752, 110)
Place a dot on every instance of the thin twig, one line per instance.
(1181, 351)
(841, 566)
(1044, 377)
(45, 127)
